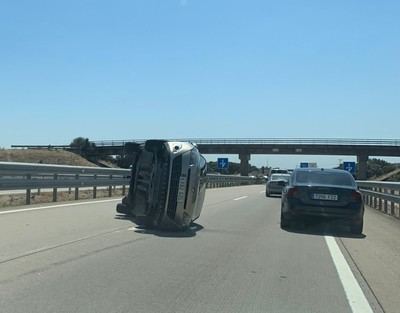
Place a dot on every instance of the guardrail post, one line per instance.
(77, 188)
(28, 191)
(55, 189)
(392, 204)
(123, 190)
(95, 188)
(385, 203)
(38, 191)
(110, 188)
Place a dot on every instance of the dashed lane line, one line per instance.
(240, 198)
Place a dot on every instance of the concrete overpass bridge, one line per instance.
(245, 147)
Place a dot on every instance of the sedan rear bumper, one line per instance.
(275, 189)
(300, 210)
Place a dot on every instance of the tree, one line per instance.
(82, 145)
(378, 167)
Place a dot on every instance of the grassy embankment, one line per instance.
(47, 157)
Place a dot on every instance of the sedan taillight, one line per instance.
(356, 196)
(292, 192)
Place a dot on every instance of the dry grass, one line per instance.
(43, 156)
(47, 197)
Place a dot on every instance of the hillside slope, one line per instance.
(43, 156)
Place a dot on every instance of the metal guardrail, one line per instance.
(29, 176)
(271, 141)
(383, 196)
(217, 181)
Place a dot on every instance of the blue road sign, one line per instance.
(350, 167)
(303, 164)
(223, 163)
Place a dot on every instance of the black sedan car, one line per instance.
(323, 193)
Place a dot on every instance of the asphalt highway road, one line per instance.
(83, 257)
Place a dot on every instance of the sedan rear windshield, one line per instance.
(324, 178)
(280, 177)
(279, 171)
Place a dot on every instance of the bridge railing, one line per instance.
(31, 177)
(383, 196)
(270, 141)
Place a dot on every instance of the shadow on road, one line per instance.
(323, 228)
(187, 233)
(278, 196)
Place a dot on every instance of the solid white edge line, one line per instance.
(355, 296)
(57, 206)
(240, 198)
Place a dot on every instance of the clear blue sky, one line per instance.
(199, 68)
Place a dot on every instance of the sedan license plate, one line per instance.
(324, 196)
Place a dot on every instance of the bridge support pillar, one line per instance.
(362, 166)
(244, 164)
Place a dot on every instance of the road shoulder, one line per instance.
(375, 259)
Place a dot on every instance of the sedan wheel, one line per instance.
(357, 227)
(285, 222)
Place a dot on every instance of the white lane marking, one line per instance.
(355, 296)
(47, 248)
(240, 198)
(57, 206)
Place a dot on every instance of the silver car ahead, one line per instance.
(276, 183)
(167, 187)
